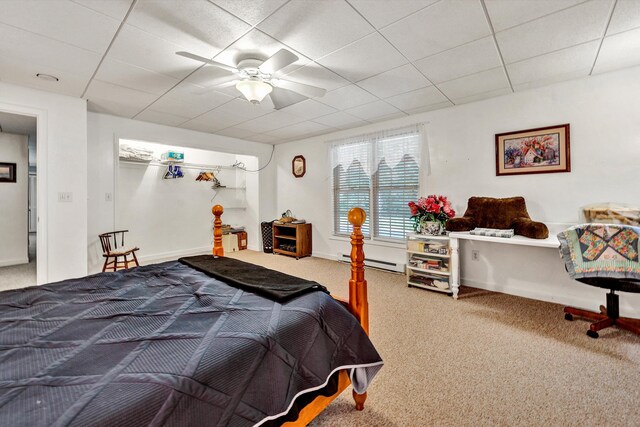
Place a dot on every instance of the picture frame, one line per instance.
(298, 166)
(539, 150)
(7, 172)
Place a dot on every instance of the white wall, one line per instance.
(605, 151)
(62, 167)
(103, 132)
(14, 201)
(170, 218)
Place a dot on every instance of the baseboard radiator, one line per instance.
(376, 263)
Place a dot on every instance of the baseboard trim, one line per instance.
(17, 261)
(586, 303)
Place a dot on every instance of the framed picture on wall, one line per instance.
(7, 172)
(298, 166)
(540, 150)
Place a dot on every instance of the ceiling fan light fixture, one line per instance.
(254, 89)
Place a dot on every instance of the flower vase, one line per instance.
(430, 228)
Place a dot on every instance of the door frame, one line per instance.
(41, 183)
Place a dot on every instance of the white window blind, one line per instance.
(380, 173)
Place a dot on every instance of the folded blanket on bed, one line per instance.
(270, 284)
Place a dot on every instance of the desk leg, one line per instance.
(455, 267)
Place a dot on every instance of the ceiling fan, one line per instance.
(255, 79)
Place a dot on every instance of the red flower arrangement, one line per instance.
(431, 208)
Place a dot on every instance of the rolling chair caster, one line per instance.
(592, 334)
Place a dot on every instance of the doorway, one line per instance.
(18, 196)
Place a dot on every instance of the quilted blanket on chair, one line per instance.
(601, 250)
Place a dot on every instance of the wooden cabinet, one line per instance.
(429, 262)
(292, 239)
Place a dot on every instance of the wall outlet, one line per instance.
(475, 255)
(65, 197)
(108, 197)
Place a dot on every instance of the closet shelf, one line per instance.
(181, 164)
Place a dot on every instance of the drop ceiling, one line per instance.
(378, 59)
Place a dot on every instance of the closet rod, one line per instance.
(184, 165)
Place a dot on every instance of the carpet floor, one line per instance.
(485, 359)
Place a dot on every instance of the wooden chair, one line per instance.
(111, 251)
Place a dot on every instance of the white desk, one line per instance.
(550, 242)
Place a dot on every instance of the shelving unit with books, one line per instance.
(429, 262)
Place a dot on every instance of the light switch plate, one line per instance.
(65, 197)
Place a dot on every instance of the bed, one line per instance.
(174, 344)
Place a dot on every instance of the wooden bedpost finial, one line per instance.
(217, 210)
(218, 250)
(358, 303)
(357, 216)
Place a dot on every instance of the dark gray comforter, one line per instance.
(167, 345)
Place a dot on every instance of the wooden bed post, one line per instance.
(218, 250)
(358, 303)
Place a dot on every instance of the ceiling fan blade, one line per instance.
(306, 90)
(278, 61)
(207, 61)
(283, 98)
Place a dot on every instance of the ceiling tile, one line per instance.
(264, 138)
(563, 29)
(36, 49)
(114, 8)
(374, 110)
(202, 125)
(619, 51)
(271, 121)
(438, 27)
(189, 100)
(432, 107)
(626, 16)
(367, 57)
(140, 48)
(340, 120)
(300, 130)
(235, 132)
(161, 118)
(21, 72)
(417, 99)
(309, 109)
(379, 13)
(346, 97)
(482, 96)
(316, 75)
(257, 45)
(399, 80)
(61, 20)
(475, 84)
(133, 77)
(316, 28)
(201, 28)
(232, 113)
(507, 14)
(112, 96)
(250, 11)
(564, 64)
(460, 61)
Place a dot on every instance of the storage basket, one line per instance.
(267, 237)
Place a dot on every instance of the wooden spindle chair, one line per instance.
(111, 251)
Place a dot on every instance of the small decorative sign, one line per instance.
(7, 172)
(541, 150)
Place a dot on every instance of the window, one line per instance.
(381, 174)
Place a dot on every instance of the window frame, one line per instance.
(371, 214)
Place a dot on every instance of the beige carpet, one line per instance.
(486, 359)
(22, 275)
